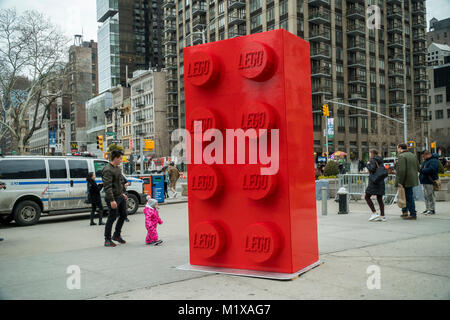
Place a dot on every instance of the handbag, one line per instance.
(401, 199)
(379, 175)
(437, 185)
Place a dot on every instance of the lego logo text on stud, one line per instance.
(256, 61)
(204, 182)
(200, 69)
(258, 116)
(208, 239)
(255, 185)
(261, 242)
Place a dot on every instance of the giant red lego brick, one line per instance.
(239, 216)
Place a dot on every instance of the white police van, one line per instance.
(33, 185)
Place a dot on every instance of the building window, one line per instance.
(255, 21)
(283, 7)
(438, 98)
(255, 5)
(439, 114)
(270, 14)
(284, 24)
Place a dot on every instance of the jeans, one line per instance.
(430, 198)
(120, 212)
(410, 204)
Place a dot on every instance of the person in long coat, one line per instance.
(373, 188)
(95, 198)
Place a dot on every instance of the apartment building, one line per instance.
(129, 39)
(96, 120)
(439, 31)
(83, 85)
(378, 69)
(438, 54)
(439, 110)
(148, 107)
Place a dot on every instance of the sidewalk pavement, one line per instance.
(413, 258)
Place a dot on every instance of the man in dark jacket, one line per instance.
(407, 169)
(429, 171)
(115, 198)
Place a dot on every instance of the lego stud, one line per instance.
(204, 182)
(208, 239)
(257, 116)
(200, 120)
(254, 185)
(201, 70)
(261, 242)
(256, 61)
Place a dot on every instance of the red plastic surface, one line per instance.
(239, 218)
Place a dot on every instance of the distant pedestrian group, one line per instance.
(408, 174)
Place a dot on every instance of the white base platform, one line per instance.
(249, 273)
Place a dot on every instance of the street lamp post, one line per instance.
(404, 122)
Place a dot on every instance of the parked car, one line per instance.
(38, 185)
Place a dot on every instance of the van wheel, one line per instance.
(27, 213)
(132, 204)
(6, 219)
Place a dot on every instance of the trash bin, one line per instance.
(343, 200)
(147, 181)
(158, 188)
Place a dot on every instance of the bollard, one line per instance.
(324, 201)
(343, 201)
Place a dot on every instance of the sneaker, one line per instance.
(93, 224)
(431, 212)
(374, 216)
(109, 243)
(101, 223)
(154, 243)
(426, 212)
(382, 219)
(119, 239)
(175, 195)
(410, 218)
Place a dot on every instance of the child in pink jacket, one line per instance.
(151, 221)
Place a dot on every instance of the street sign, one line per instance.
(149, 145)
(117, 141)
(109, 133)
(330, 128)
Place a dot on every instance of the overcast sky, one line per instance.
(75, 16)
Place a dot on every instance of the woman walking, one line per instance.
(94, 195)
(376, 185)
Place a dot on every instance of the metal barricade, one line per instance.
(356, 185)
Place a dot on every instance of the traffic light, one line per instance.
(149, 144)
(100, 142)
(326, 110)
(433, 145)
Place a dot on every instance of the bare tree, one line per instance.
(31, 47)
